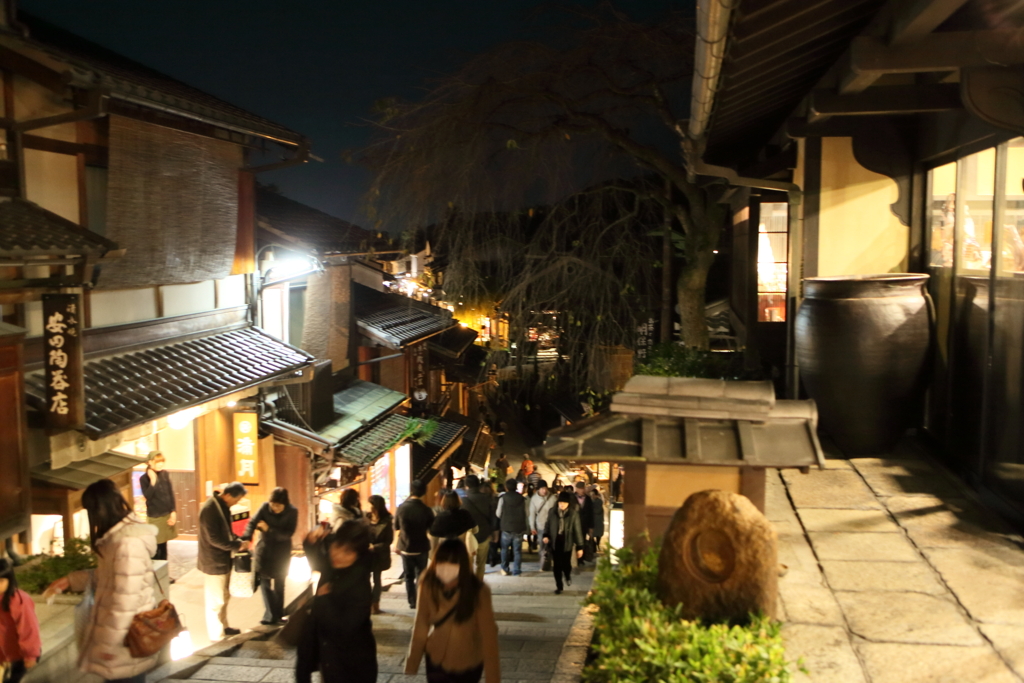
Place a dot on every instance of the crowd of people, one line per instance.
(445, 549)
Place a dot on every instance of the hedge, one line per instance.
(640, 640)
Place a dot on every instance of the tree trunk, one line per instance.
(691, 288)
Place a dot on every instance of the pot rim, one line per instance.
(876, 277)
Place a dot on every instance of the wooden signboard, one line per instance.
(62, 361)
(246, 448)
(418, 368)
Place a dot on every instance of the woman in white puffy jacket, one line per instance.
(123, 584)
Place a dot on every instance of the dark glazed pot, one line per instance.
(863, 345)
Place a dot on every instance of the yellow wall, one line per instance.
(51, 181)
(857, 232)
(671, 485)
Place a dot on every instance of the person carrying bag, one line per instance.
(123, 585)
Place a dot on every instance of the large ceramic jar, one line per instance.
(863, 345)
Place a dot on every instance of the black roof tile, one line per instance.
(131, 388)
(424, 457)
(27, 229)
(135, 82)
(314, 229)
(397, 320)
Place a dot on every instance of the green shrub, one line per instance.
(640, 640)
(676, 360)
(77, 555)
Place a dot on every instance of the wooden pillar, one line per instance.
(634, 502)
(752, 485)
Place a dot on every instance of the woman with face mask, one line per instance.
(562, 533)
(455, 623)
(338, 634)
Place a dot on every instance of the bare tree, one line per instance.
(598, 110)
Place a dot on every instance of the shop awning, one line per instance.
(453, 342)
(475, 433)
(395, 320)
(370, 444)
(359, 404)
(469, 368)
(81, 473)
(129, 389)
(439, 447)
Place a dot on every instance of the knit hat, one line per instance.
(564, 497)
(542, 484)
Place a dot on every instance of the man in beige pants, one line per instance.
(216, 543)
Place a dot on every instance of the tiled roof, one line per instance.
(27, 229)
(314, 229)
(396, 320)
(775, 54)
(132, 388)
(370, 444)
(425, 457)
(453, 343)
(359, 404)
(93, 65)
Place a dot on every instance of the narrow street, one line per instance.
(542, 637)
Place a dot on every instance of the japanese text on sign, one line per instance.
(246, 448)
(65, 385)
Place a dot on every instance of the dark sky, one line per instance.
(316, 66)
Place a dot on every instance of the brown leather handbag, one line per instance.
(151, 630)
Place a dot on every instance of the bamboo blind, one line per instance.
(172, 203)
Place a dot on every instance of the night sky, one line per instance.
(316, 66)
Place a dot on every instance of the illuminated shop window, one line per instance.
(772, 267)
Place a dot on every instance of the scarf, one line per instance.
(561, 522)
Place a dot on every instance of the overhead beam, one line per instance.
(916, 19)
(885, 100)
(869, 58)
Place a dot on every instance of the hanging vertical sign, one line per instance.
(246, 448)
(418, 377)
(62, 361)
(646, 338)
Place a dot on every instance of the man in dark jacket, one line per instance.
(483, 507)
(216, 543)
(562, 533)
(412, 521)
(514, 523)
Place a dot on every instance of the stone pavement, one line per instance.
(896, 574)
(542, 637)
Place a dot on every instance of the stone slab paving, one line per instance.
(899, 574)
(542, 637)
(882, 576)
(831, 488)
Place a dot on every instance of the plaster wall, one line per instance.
(118, 306)
(857, 232)
(192, 298)
(51, 181)
(231, 291)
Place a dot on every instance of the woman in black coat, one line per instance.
(382, 534)
(338, 637)
(277, 520)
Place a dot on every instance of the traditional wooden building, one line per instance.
(127, 253)
(874, 137)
